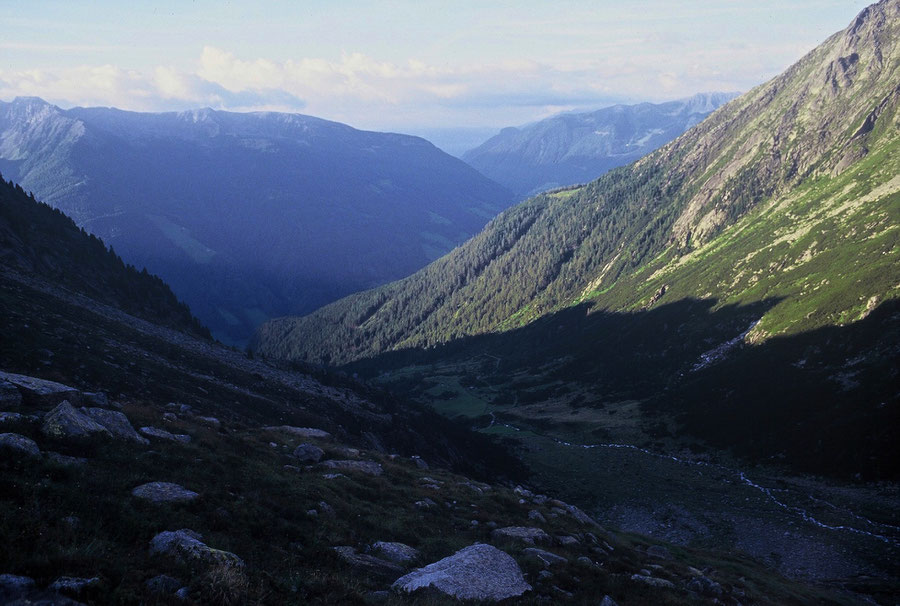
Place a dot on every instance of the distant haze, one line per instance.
(412, 67)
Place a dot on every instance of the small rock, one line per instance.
(367, 563)
(97, 398)
(73, 585)
(376, 597)
(395, 552)
(116, 423)
(478, 572)
(11, 417)
(585, 561)
(608, 601)
(536, 516)
(545, 574)
(420, 463)
(333, 476)
(303, 432)
(71, 521)
(163, 583)
(65, 460)
(346, 452)
(169, 417)
(185, 409)
(162, 434)
(704, 586)
(567, 541)
(65, 422)
(183, 594)
(547, 558)
(40, 392)
(524, 534)
(425, 503)
(186, 545)
(164, 492)
(326, 508)
(658, 551)
(368, 467)
(211, 421)
(652, 581)
(19, 445)
(309, 453)
(312, 513)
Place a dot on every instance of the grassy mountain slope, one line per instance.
(577, 148)
(788, 191)
(248, 216)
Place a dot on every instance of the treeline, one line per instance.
(41, 240)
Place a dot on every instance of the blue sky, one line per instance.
(404, 66)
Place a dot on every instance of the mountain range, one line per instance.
(575, 148)
(248, 216)
(771, 227)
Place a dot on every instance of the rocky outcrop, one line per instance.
(66, 423)
(164, 492)
(369, 467)
(309, 453)
(396, 552)
(19, 445)
(40, 392)
(367, 563)
(116, 423)
(186, 545)
(478, 572)
(524, 534)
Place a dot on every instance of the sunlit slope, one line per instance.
(789, 191)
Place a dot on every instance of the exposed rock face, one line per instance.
(40, 392)
(368, 467)
(19, 445)
(115, 423)
(162, 434)
(303, 432)
(478, 572)
(164, 492)
(367, 563)
(309, 453)
(10, 397)
(65, 422)
(547, 558)
(186, 545)
(524, 534)
(396, 552)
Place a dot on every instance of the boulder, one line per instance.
(66, 460)
(11, 417)
(73, 585)
(536, 516)
(309, 453)
(162, 434)
(40, 392)
(10, 396)
(19, 445)
(186, 545)
(608, 601)
(66, 423)
(211, 421)
(115, 423)
(369, 467)
(704, 586)
(303, 432)
(420, 462)
(545, 557)
(478, 572)
(524, 534)
(648, 580)
(97, 398)
(368, 564)
(395, 552)
(164, 492)
(12, 583)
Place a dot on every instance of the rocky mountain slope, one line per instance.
(248, 216)
(141, 463)
(773, 223)
(579, 147)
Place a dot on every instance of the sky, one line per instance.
(407, 66)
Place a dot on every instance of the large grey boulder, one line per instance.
(162, 434)
(524, 534)
(186, 545)
(10, 396)
(40, 392)
(115, 423)
(19, 445)
(303, 432)
(369, 467)
(309, 453)
(367, 563)
(65, 422)
(395, 552)
(164, 492)
(478, 572)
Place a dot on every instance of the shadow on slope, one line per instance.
(822, 401)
